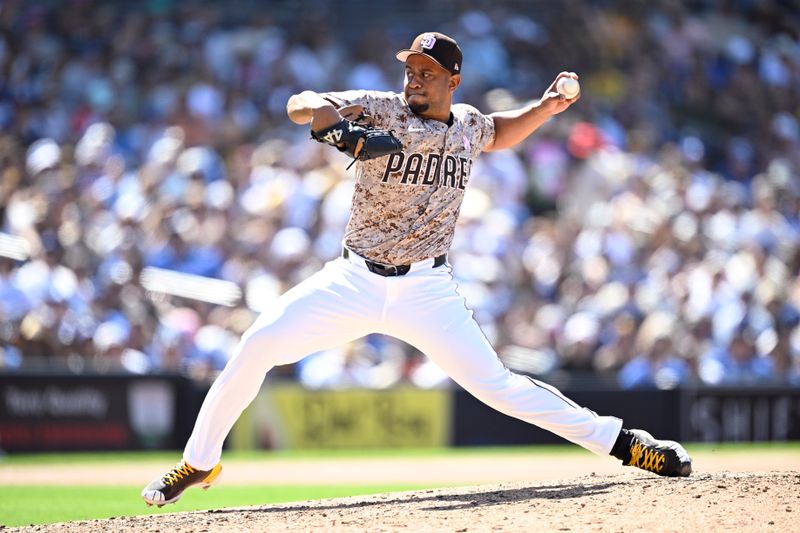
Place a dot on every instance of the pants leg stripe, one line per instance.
(557, 393)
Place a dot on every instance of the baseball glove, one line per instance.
(360, 140)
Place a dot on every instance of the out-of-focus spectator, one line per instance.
(737, 363)
(656, 364)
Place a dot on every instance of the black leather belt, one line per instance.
(393, 270)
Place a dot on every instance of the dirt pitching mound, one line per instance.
(720, 501)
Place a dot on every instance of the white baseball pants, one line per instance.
(343, 302)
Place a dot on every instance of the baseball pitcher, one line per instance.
(413, 153)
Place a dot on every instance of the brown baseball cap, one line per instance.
(437, 46)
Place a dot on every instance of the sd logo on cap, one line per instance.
(437, 46)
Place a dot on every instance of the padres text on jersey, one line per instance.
(405, 205)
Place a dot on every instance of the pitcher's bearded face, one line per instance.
(427, 86)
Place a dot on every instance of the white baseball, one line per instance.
(569, 87)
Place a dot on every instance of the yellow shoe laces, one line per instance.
(645, 458)
(178, 472)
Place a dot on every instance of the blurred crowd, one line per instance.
(650, 233)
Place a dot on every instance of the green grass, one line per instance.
(262, 455)
(169, 457)
(42, 504)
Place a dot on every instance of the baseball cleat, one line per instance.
(169, 487)
(662, 457)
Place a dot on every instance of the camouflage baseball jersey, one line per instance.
(405, 205)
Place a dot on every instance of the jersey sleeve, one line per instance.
(484, 129)
(478, 128)
(369, 100)
(342, 98)
(383, 107)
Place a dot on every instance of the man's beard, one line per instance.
(418, 109)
